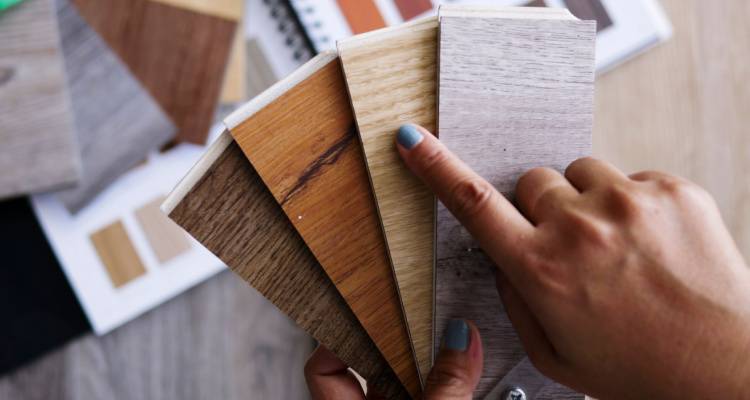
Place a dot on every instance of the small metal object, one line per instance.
(514, 393)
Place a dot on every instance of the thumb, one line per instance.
(458, 366)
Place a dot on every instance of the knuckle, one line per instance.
(626, 202)
(431, 159)
(449, 379)
(578, 164)
(683, 190)
(590, 230)
(470, 197)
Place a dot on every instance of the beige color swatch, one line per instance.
(391, 74)
(229, 9)
(117, 253)
(235, 80)
(167, 240)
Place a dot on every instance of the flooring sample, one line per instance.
(380, 66)
(260, 75)
(178, 54)
(361, 15)
(314, 167)
(515, 92)
(39, 310)
(223, 203)
(234, 89)
(590, 10)
(117, 122)
(38, 149)
(167, 240)
(229, 9)
(117, 253)
(412, 8)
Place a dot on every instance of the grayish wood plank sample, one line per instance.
(38, 149)
(116, 120)
(515, 92)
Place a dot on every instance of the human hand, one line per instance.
(619, 287)
(454, 376)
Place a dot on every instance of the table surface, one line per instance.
(683, 107)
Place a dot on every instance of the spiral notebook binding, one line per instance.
(305, 12)
(290, 26)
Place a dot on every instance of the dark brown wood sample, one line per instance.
(179, 55)
(301, 138)
(515, 92)
(227, 208)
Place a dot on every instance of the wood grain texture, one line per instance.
(117, 122)
(167, 240)
(515, 92)
(38, 149)
(399, 63)
(219, 340)
(179, 55)
(231, 212)
(301, 138)
(117, 253)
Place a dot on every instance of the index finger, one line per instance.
(497, 225)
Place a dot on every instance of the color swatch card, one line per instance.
(399, 63)
(38, 148)
(116, 121)
(178, 49)
(301, 138)
(224, 204)
(121, 255)
(515, 92)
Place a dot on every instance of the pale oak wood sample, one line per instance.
(178, 54)
(301, 138)
(167, 240)
(515, 92)
(38, 149)
(392, 77)
(117, 123)
(117, 253)
(223, 203)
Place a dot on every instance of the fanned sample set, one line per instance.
(304, 195)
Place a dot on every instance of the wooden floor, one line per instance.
(221, 340)
(683, 107)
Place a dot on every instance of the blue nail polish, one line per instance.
(409, 136)
(456, 335)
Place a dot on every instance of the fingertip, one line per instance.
(409, 136)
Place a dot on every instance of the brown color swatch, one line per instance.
(399, 63)
(515, 92)
(225, 206)
(179, 55)
(590, 10)
(362, 15)
(117, 254)
(167, 240)
(412, 8)
(301, 138)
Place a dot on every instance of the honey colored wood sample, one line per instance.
(225, 206)
(392, 77)
(178, 54)
(234, 89)
(117, 253)
(38, 149)
(301, 138)
(515, 92)
(117, 123)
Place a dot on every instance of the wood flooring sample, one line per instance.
(117, 122)
(117, 253)
(167, 240)
(392, 76)
(178, 54)
(301, 138)
(38, 149)
(225, 206)
(515, 91)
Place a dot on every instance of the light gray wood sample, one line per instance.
(116, 121)
(515, 92)
(38, 149)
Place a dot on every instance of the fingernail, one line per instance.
(456, 335)
(409, 136)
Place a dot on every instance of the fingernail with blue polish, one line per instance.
(456, 335)
(409, 136)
